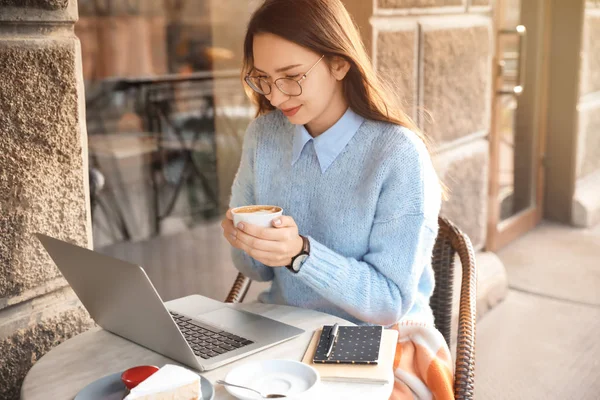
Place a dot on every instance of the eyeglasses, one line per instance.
(287, 86)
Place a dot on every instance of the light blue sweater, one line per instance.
(366, 195)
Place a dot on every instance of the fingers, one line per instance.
(268, 258)
(273, 246)
(264, 244)
(227, 226)
(267, 233)
(229, 232)
(259, 231)
(231, 240)
(284, 222)
(240, 239)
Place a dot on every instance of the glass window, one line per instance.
(166, 113)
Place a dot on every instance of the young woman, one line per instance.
(354, 177)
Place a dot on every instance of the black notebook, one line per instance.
(354, 345)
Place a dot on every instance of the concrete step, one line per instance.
(532, 347)
(558, 261)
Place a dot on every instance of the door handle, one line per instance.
(521, 32)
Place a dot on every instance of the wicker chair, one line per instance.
(450, 241)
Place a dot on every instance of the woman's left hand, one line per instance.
(274, 246)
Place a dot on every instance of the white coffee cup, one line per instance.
(256, 215)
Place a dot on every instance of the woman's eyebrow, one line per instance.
(283, 69)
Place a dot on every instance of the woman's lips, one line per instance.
(290, 112)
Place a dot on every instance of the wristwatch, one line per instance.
(299, 259)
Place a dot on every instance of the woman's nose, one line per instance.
(277, 97)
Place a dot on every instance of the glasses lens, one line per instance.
(259, 85)
(289, 86)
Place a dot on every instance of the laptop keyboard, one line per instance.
(206, 341)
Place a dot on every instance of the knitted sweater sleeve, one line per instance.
(383, 285)
(242, 193)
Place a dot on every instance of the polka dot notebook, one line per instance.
(382, 372)
(354, 345)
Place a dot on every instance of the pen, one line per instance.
(332, 338)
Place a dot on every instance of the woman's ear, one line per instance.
(339, 68)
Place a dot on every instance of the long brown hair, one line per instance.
(325, 27)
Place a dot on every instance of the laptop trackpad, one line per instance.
(226, 317)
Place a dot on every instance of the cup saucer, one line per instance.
(294, 379)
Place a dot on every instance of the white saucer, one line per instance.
(292, 378)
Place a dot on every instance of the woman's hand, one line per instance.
(273, 246)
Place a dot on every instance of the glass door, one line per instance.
(517, 135)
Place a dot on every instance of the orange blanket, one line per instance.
(423, 366)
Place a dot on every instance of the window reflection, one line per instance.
(165, 118)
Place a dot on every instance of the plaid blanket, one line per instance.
(423, 366)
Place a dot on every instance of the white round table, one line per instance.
(69, 367)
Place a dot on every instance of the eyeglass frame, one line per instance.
(302, 78)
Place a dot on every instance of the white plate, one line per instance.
(111, 387)
(292, 378)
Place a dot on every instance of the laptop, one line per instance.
(196, 331)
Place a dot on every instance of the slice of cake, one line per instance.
(171, 382)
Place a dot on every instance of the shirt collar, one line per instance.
(330, 143)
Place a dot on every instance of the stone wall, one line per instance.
(43, 180)
(586, 202)
(439, 53)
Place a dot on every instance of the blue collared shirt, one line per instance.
(330, 143)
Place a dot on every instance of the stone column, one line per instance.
(43, 180)
(564, 64)
(586, 201)
(439, 53)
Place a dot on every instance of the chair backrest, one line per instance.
(442, 263)
(450, 242)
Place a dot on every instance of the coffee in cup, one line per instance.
(256, 215)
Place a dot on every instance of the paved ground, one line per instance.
(543, 341)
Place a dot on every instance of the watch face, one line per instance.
(299, 261)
